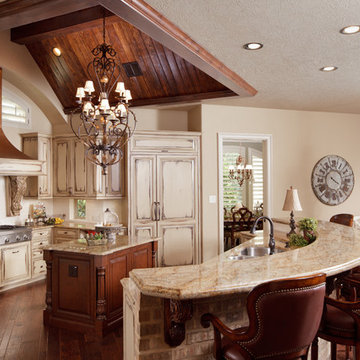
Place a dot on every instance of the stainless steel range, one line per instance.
(10, 234)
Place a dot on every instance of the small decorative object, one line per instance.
(292, 203)
(110, 225)
(94, 238)
(332, 180)
(29, 221)
(103, 128)
(297, 240)
(308, 226)
(39, 213)
(242, 172)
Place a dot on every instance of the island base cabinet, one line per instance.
(84, 292)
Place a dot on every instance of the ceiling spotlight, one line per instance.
(352, 29)
(328, 68)
(253, 46)
(56, 51)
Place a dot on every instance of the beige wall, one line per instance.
(299, 140)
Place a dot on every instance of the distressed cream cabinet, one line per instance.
(164, 193)
(15, 263)
(40, 238)
(75, 176)
(38, 146)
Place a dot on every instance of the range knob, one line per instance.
(7, 240)
(25, 238)
(18, 238)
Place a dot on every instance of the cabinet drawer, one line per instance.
(39, 243)
(37, 253)
(59, 240)
(39, 267)
(66, 233)
(42, 233)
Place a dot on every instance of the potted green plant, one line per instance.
(308, 226)
(297, 240)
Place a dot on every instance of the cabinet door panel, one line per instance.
(15, 263)
(79, 168)
(118, 269)
(45, 154)
(61, 173)
(143, 185)
(145, 231)
(178, 244)
(176, 188)
(115, 180)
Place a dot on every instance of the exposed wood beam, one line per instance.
(20, 12)
(173, 99)
(151, 22)
(77, 21)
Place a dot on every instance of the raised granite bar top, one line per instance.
(122, 242)
(336, 249)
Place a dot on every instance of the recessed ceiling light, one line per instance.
(352, 29)
(56, 51)
(328, 68)
(253, 46)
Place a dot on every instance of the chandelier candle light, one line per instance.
(292, 203)
(104, 129)
(242, 172)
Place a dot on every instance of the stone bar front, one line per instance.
(163, 306)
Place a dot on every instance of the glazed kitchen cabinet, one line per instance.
(70, 168)
(164, 194)
(75, 176)
(39, 146)
(15, 263)
(84, 292)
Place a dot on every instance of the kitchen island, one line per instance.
(83, 289)
(163, 306)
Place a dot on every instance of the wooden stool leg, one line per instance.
(357, 351)
(333, 351)
(314, 349)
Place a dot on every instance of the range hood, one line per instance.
(12, 161)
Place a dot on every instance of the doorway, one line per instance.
(254, 193)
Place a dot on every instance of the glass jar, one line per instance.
(110, 218)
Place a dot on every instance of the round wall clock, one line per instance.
(332, 180)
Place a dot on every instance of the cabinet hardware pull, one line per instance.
(153, 211)
(41, 243)
(65, 232)
(41, 233)
(158, 211)
(15, 252)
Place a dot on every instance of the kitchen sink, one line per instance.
(253, 251)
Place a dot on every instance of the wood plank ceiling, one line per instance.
(166, 77)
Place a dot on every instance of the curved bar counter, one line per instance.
(221, 285)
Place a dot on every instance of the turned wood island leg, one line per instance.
(100, 293)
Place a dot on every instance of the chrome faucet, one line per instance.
(271, 236)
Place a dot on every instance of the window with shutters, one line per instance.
(257, 186)
(15, 111)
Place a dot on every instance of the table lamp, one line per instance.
(292, 203)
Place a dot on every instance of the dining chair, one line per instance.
(284, 317)
(242, 221)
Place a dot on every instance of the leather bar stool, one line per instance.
(343, 219)
(284, 317)
(340, 324)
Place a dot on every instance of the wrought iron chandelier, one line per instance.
(104, 129)
(242, 172)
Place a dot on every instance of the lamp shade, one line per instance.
(292, 202)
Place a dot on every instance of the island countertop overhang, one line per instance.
(336, 249)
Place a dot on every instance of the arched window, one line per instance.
(15, 111)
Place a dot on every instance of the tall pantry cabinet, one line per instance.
(164, 193)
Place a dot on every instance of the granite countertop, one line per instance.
(71, 225)
(122, 242)
(336, 249)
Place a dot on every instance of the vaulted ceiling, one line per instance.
(173, 67)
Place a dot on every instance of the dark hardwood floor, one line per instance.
(23, 335)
